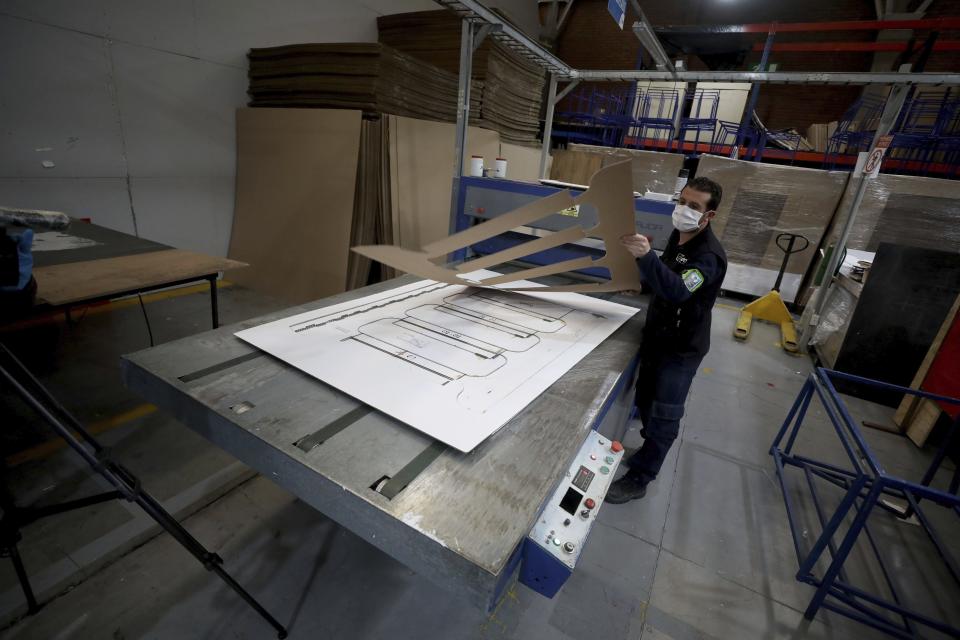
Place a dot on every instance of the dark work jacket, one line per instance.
(685, 282)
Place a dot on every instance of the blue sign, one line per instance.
(617, 9)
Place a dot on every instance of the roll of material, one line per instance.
(500, 168)
(34, 218)
(476, 166)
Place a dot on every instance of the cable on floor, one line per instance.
(146, 318)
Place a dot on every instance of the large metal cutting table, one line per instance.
(458, 519)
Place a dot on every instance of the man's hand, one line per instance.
(636, 244)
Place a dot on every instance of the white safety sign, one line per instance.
(871, 167)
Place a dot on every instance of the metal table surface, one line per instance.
(459, 520)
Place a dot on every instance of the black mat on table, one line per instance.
(111, 244)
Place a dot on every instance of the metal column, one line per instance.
(747, 119)
(552, 99)
(463, 114)
(891, 111)
(548, 125)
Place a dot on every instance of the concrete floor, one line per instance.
(707, 554)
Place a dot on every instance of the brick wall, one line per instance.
(591, 40)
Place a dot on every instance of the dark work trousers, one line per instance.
(662, 386)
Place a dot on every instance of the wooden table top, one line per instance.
(73, 282)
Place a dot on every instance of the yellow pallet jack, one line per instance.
(770, 306)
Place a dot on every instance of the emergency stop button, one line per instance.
(589, 503)
(616, 447)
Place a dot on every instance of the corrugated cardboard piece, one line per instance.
(610, 192)
(296, 178)
(421, 174)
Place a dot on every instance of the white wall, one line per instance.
(133, 101)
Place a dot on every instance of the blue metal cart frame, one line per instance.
(863, 485)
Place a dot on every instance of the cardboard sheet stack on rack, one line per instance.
(510, 89)
(818, 135)
(366, 76)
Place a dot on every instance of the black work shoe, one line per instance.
(626, 489)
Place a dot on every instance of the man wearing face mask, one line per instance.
(685, 282)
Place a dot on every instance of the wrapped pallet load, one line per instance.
(762, 201)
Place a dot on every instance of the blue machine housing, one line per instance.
(485, 198)
(539, 570)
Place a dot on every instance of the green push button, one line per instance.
(609, 459)
(604, 470)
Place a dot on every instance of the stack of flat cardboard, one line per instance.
(296, 173)
(311, 183)
(366, 76)
(372, 209)
(652, 170)
(511, 89)
(818, 135)
(421, 176)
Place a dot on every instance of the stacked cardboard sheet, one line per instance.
(372, 210)
(315, 182)
(511, 89)
(296, 179)
(652, 170)
(366, 76)
(818, 135)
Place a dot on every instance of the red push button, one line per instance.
(589, 503)
(616, 447)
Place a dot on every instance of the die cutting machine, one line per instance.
(522, 503)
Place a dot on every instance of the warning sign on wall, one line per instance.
(871, 167)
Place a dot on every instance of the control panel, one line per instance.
(565, 522)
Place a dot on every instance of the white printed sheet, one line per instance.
(454, 362)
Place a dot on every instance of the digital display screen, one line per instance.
(583, 479)
(571, 500)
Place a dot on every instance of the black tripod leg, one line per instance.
(24, 580)
(210, 561)
(118, 476)
(226, 577)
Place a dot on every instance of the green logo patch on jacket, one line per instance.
(692, 279)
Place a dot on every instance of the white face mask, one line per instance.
(685, 218)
